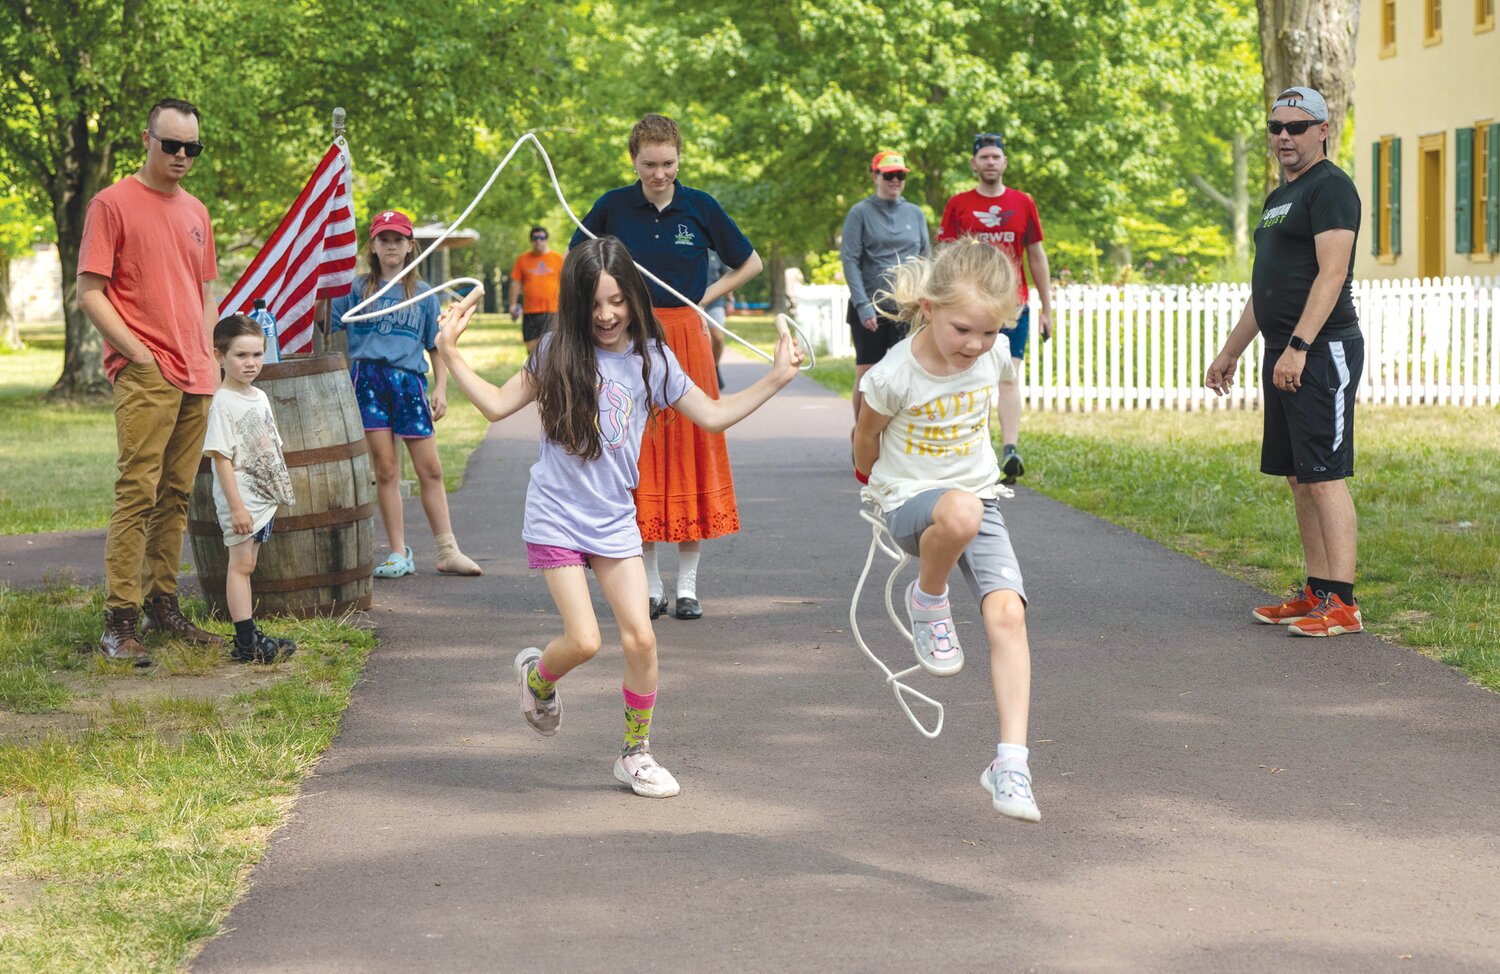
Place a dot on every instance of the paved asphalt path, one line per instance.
(1216, 796)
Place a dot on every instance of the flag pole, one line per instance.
(324, 322)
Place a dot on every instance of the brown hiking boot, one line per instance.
(163, 614)
(119, 641)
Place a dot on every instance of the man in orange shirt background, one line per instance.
(536, 275)
(144, 268)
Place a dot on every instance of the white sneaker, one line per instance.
(544, 716)
(933, 637)
(1009, 785)
(645, 777)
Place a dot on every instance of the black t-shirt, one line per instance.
(1286, 258)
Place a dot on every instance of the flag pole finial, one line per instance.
(338, 123)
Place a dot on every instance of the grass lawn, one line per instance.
(59, 459)
(132, 804)
(1426, 490)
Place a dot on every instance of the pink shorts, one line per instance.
(545, 556)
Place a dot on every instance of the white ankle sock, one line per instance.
(687, 573)
(1012, 753)
(654, 587)
(925, 601)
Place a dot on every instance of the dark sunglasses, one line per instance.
(989, 140)
(893, 175)
(172, 146)
(538, 236)
(1295, 128)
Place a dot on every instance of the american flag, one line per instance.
(311, 255)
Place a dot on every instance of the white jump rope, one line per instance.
(784, 323)
(881, 539)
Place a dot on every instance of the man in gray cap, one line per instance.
(1300, 300)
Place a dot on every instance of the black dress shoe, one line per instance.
(658, 608)
(687, 609)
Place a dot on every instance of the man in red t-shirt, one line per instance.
(1006, 218)
(146, 260)
(536, 277)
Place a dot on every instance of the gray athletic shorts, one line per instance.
(989, 562)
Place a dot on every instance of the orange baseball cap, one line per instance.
(888, 160)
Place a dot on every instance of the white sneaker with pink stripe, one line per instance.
(933, 636)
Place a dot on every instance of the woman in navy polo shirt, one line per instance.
(686, 492)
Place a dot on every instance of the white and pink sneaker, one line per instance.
(645, 777)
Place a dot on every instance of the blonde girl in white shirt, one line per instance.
(923, 449)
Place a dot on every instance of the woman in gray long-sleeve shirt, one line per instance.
(881, 231)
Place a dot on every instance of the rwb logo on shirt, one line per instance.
(993, 217)
(684, 235)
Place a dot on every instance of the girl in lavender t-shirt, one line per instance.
(595, 389)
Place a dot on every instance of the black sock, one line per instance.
(1319, 586)
(244, 631)
(1344, 590)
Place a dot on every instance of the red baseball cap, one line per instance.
(888, 160)
(393, 220)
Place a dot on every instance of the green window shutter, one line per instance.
(1375, 199)
(1463, 191)
(1396, 196)
(1492, 197)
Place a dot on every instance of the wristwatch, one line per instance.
(1298, 344)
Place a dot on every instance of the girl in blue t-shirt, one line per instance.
(596, 379)
(388, 363)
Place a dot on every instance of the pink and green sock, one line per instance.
(542, 683)
(638, 707)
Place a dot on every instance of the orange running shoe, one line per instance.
(1299, 602)
(1331, 618)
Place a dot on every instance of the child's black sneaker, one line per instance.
(260, 648)
(287, 646)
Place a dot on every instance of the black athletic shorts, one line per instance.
(1310, 433)
(870, 346)
(534, 326)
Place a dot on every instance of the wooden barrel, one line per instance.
(321, 555)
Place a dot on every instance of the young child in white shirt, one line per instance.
(250, 477)
(922, 447)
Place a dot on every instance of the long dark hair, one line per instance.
(567, 377)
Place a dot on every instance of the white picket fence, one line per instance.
(1142, 347)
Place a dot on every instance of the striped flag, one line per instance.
(311, 255)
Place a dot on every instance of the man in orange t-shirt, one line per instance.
(537, 273)
(144, 266)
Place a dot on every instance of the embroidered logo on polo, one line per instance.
(1274, 215)
(684, 235)
(197, 235)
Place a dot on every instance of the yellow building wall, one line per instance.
(1421, 90)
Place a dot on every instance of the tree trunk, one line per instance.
(81, 172)
(1236, 203)
(1309, 43)
(12, 327)
(1239, 215)
(776, 267)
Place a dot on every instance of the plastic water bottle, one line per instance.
(267, 321)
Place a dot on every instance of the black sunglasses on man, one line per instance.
(173, 146)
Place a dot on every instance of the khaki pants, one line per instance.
(160, 430)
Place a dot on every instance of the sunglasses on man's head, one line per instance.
(172, 146)
(893, 175)
(986, 140)
(1294, 128)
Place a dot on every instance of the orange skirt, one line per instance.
(686, 492)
